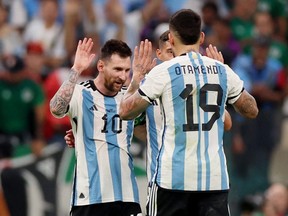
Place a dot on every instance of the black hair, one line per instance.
(186, 24)
(114, 46)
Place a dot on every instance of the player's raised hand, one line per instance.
(83, 56)
(143, 60)
(213, 53)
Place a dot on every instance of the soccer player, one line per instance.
(150, 120)
(191, 173)
(104, 182)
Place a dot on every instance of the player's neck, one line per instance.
(181, 49)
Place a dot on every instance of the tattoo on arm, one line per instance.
(248, 107)
(62, 98)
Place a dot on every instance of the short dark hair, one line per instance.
(163, 38)
(186, 24)
(114, 46)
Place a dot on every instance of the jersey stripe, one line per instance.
(224, 173)
(129, 132)
(152, 141)
(90, 150)
(180, 137)
(199, 159)
(206, 135)
(114, 154)
(134, 183)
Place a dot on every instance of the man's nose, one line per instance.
(123, 75)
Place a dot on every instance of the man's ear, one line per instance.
(171, 39)
(202, 38)
(100, 65)
(158, 53)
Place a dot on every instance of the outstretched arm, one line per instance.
(83, 58)
(132, 104)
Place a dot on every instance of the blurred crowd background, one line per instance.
(38, 39)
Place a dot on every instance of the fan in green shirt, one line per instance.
(21, 108)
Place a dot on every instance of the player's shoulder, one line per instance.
(88, 84)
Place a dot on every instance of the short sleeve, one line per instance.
(153, 84)
(74, 103)
(235, 86)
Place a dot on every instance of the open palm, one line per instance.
(83, 56)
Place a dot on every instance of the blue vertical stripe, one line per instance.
(113, 147)
(223, 83)
(90, 149)
(178, 158)
(134, 183)
(130, 128)
(158, 170)
(206, 136)
(74, 192)
(153, 141)
(199, 159)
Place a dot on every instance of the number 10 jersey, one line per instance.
(104, 169)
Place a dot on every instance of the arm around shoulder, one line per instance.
(246, 105)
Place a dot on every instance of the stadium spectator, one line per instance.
(241, 21)
(126, 26)
(278, 11)
(276, 200)
(264, 26)
(209, 16)
(221, 36)
(46, 30)
(80, 21)
(35, 61)
(11, 41)
(21, 109)
(254, 141)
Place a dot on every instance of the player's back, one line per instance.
(193, 90)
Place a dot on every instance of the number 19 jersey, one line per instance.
(104, 170)
(193, 90)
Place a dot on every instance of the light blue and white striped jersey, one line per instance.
(104, 169)
(153, 128)
(193, 91)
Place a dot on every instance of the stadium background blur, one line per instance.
(37, 41)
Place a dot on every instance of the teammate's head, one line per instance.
(114, 46)
(114, 65)
(185, 28)
(164, 50)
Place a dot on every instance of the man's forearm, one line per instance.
(62, 98)
(132, 88)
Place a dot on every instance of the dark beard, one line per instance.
(110, 87)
